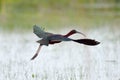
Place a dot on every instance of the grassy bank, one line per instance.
(56, 19)
(22, 15)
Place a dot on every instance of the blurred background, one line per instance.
(98, 19)
(23, 14)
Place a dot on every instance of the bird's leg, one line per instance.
(36, 54)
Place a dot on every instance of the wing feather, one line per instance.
(39, 31)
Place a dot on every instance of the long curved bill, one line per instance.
(81, 33)
(36, 54)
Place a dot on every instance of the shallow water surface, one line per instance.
(64, 61)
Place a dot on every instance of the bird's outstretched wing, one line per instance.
(89, 42)
(39, 31)
(36, 54)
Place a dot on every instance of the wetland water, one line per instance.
(64, 61)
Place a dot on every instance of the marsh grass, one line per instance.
(65, 61)
(23, 17)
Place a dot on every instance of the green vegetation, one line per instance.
(23, 14)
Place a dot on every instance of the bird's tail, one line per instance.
(89, 42)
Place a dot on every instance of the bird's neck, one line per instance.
(68, 34)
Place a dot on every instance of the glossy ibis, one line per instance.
(50, 38)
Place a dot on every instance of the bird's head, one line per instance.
(75, 31)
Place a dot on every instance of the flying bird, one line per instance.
(50, 38)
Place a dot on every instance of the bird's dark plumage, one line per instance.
(39, 31)
(50, 38)
(89, 42)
